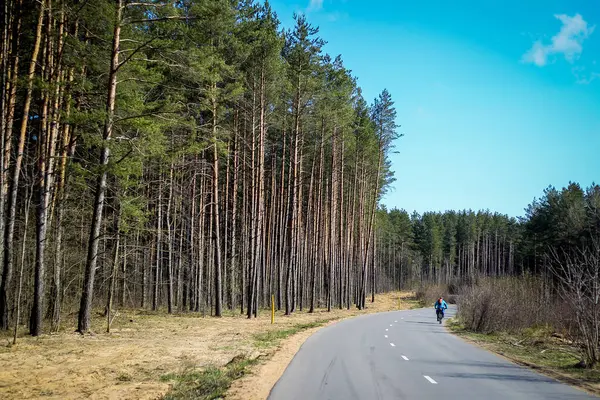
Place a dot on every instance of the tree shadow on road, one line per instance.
(501, 377)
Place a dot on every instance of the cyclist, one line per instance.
(440, 305)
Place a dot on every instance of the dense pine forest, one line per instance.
(186, 155)
(194, 156)
(459, 247)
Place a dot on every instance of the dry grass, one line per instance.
(142, 347)
(509, 304)
(539, 349)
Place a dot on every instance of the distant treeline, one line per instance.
(461, 246)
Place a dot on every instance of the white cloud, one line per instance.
(315, 5)
(583, 77)
(568, 41)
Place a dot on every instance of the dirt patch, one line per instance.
(142, 347)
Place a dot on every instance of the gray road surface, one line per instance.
(406, 355)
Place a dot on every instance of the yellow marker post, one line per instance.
(272, 309)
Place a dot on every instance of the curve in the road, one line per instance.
(406, 355)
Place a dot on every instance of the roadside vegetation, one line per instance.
(149, 355)
(529, 320)
(539, 302)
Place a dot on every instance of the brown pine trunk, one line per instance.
(8, 96)
(180, 276)
(234, 258)
(115, 265)
(7, 270)
(217, 226)
(315, 211)
(370, 228)
(17, 304)
(201, 247)
(170, 243)
(282, 222)
(192, 270)
(158, 251)
(342, 224)
(332, 220)
(83, 324)
(46, 161)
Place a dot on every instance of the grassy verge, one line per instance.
(273, 338)
(213, 382)
(538, 349)
(153, 354)
(207, 384)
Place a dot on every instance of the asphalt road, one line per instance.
(406, 355)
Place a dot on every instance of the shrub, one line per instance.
(507, 304)
(427, 295)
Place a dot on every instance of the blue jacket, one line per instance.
(443, 306)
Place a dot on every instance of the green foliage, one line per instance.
(272, 338)
(199, 84)
(466, 245)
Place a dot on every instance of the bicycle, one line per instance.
(440, 315)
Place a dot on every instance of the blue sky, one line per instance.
(497, 100)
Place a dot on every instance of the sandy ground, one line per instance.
(128, 362)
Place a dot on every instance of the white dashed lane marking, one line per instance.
(405, 358)
(392, 344)
(385, 336)
(430, 380)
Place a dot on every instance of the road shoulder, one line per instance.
(536, 350)
(258, 384)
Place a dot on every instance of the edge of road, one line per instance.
(548, 372)
(315, 330)
(260, 383)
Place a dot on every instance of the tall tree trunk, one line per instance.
(192, 250)
(217, 225)
(23, 253)
(260, 231)
(10, 77)
(282, 222)
(370, 227)
(87, 293)
(158, 251)
(170, 234)
(114, 269)
(180, 275)
(234, 209)
(7, 270)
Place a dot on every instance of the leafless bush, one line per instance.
(505, 304)
(430, 293)
(578, 274)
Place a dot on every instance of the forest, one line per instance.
(195, 156)
(459, 247)
(182, 155)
